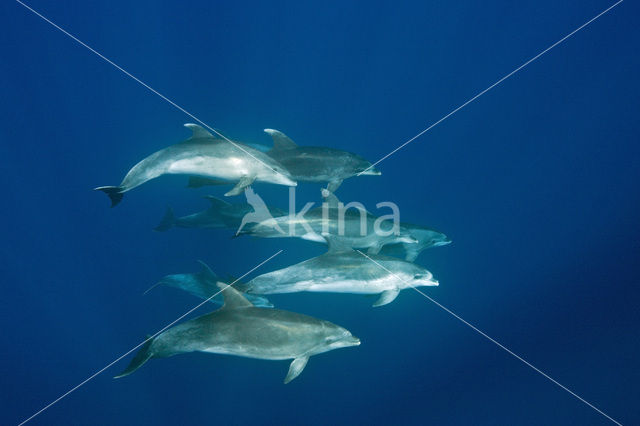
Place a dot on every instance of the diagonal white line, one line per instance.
(55, 401)
(501, 346)
(142, 83)
(492, 86)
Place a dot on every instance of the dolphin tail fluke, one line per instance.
(143, 355)
(167, 222)
(115, 193)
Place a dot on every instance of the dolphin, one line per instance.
(239, 328)
(317, 164)
(203, 284)
(424, 238)
(310, 163)
(343, 270)
(220, 214)
(204, 155)
(358, 226)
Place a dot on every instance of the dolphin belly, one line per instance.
(249, 351)
(208, 166)
(239, 328)
(355, 286)
(337, 285)
(267, 285)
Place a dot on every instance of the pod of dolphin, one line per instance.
(247, 324)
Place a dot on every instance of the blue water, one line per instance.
(536, 183)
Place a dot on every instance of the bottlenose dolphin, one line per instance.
(239, 328)
(204, 155)
(424, 238)
(310, 163)
(358, 226)
(343, 270)
(204, 284)
(317, 164)
(221, 214)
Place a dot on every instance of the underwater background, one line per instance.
(536, 183)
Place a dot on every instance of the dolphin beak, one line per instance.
(425, 280)
(353, 341)
(371, 171)
(288, 181)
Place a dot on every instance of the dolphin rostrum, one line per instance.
(343, 270)
(239, 328)
(310, 163)
(221, 214)
(424, 238)
(204, 155)
(204, 284)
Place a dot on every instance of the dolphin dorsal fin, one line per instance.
(280, 140)
(198, 131)
(336, 244)
(330, 198)
(233, 299)
(206, 272)
(216, 202)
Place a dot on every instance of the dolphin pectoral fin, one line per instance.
(143, 355)
(333, 185)
(115, 193)
(296, 367)
(412, 250)
(374, 249)
(386, 297)
(411, 253)
(241, 185)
